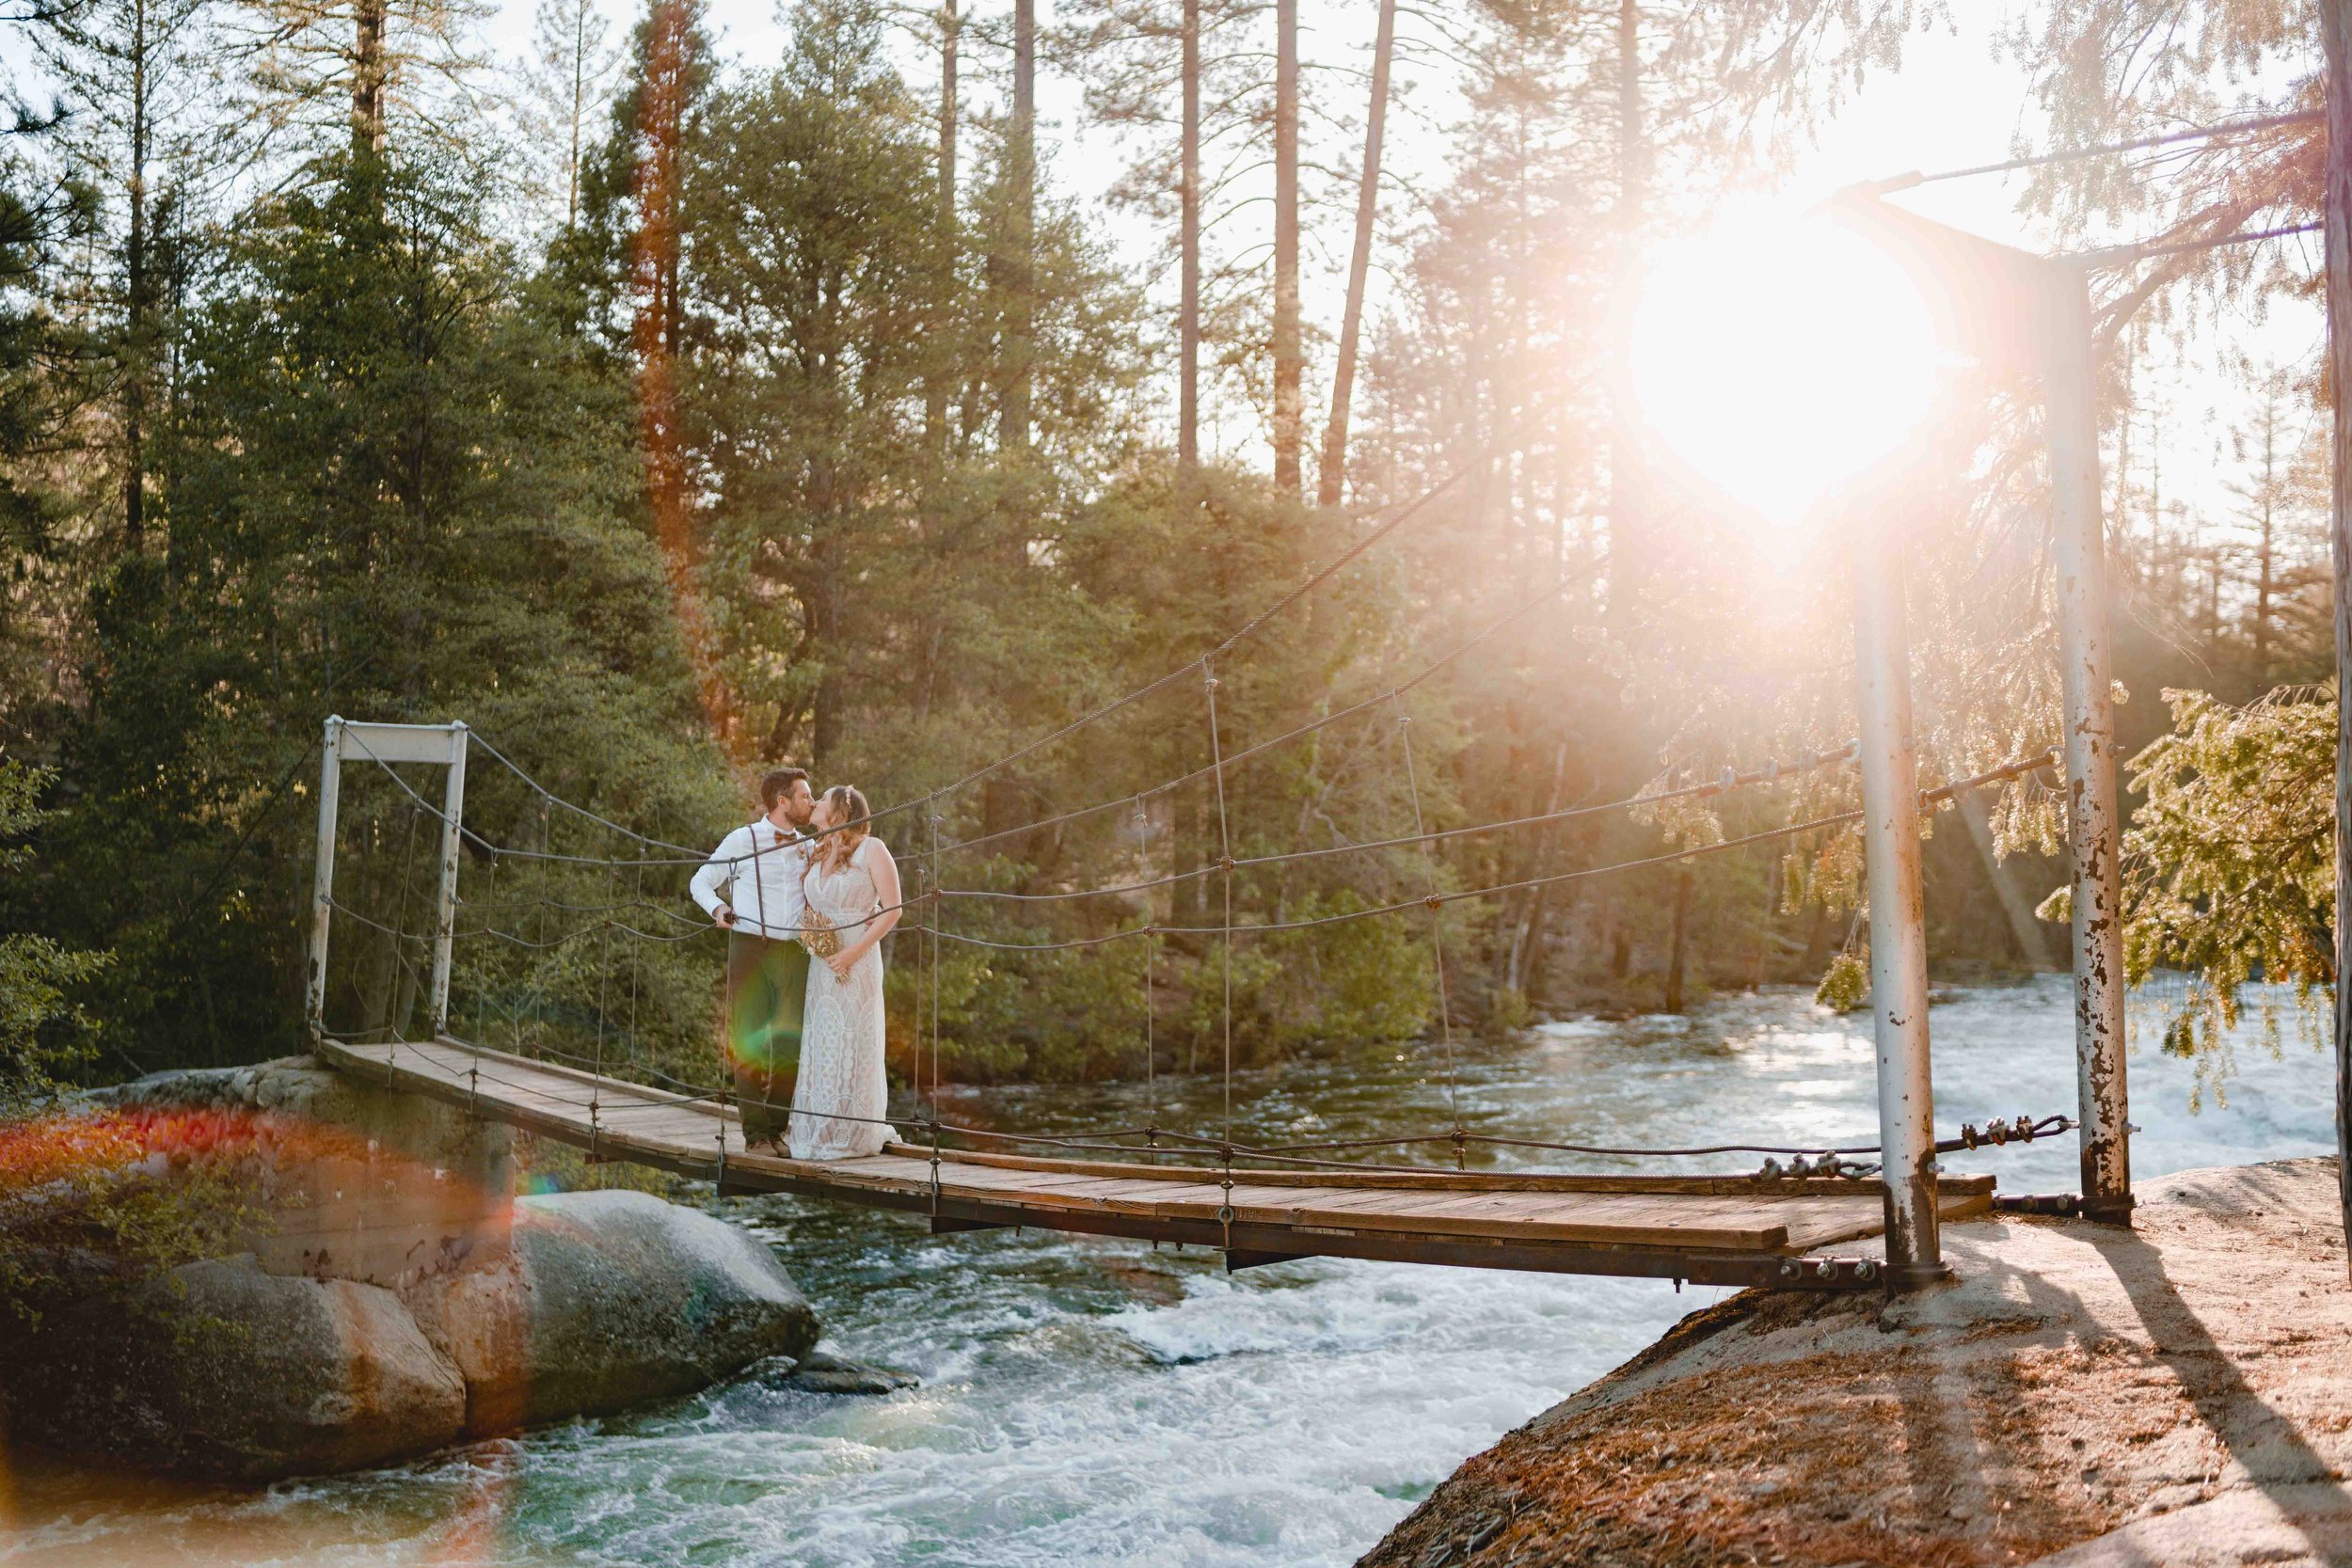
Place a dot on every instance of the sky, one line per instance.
(1952, 103)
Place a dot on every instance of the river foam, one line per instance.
(1089, 1402)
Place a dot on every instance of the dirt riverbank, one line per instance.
(2176, 1394)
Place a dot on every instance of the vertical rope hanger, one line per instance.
(932, 926)
(540, 960)
(1150, 945)
(399, 937)
(604, 993)
(1225, 945)
(482, 1002)
(1437, 942)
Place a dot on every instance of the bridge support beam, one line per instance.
(1899, 949)
(445, 903)
(323, 875)
(2079, 550)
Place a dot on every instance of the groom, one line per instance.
(751, 886)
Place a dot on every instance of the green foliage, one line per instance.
(2230, 858)
(1845, 985)
(43, 1028)
(398, 491)
(399, 469)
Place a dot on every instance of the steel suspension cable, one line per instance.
(1201, 662)
(1252, 752)
(475, 737)
(2010, 166)
(1436, 934)
(1667, 858)
(1723, 784)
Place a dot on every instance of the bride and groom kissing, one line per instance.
(805, 894)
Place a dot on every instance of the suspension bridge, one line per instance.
(558, 1046)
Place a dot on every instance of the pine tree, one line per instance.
(1332, 476)
(397, 491)
(131, 69)
(566, 85)
(1170, 79)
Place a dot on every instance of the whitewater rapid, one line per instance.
(1091, 1401)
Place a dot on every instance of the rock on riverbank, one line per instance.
(2179, 1393)
(398, 1305)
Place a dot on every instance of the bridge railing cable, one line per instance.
(615, 1053)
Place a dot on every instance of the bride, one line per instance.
(852, 881)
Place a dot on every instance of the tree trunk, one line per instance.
(1188, 309)
(580, 111)
(1021, 166)
(1627, 548)
(950, 28)
(2262, 570)
(367, 80)
(1679, 945)
(1289, 352)
(654, 337)
(1334, 470)
(2336, 29)
(139, 307)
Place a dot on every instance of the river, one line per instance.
(1098, 1402)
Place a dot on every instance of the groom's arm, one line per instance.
(714, 873)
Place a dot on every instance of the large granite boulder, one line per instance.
(355, 1181)
(609, 1300)
(218, 1368)
(393, 1297)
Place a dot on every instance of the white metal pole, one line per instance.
(1899, 949)
(2079, 551)
(2335, 28)
(323, 874)
(445, 909)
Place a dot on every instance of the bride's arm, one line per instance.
(884, 871)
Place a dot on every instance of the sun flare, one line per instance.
(1780, 356)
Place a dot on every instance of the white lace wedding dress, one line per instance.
(841, 1030)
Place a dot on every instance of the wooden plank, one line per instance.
(1829, 1233)
(1721, 1185)
(1653, 1225)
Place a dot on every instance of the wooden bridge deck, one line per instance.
(1710, 1229)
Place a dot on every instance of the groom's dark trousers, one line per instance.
(766, 983)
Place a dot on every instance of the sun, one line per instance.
(1779, 356)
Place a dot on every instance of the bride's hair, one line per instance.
(847, 804)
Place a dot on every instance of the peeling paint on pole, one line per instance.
(445, 903)
(2079, 550)
(1899, 945)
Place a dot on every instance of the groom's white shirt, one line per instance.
(755, 871)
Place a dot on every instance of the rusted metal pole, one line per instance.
(445, 906)
(2079, 550)
(1898, 946)
(323, 875)
(2335, 27)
